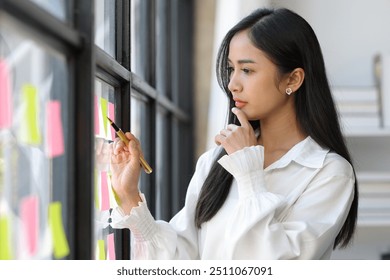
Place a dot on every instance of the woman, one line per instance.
(280, 184)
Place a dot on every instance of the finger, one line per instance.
(231, 127)
(118, 143)
(219, 139)
(224, 132)
(134, 149)
(118, 146)
(242, 118)
(131, 137)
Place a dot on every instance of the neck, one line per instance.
(281, 133)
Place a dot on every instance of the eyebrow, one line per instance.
(243, 61)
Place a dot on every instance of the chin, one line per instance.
(251, 117)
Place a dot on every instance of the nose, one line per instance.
(234, 83)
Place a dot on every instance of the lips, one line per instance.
(239, 103)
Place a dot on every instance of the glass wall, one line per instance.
(64, 67)
(33, 146)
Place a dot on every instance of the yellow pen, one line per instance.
(122, 136)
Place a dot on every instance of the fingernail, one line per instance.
(234, 109)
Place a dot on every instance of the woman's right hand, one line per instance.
(125, 170)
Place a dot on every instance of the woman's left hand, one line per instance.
(236, 137)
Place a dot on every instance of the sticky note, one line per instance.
(113, 196)
(60, 243)
(54, 129)
(96, 189)
(97, 112)
(30, 219)
(116, 197)
(5, 96)
(111, 115)
(5, 240)
(104, 192)
(101, 250)
(111, 247)
(104, 110)
(30, 131)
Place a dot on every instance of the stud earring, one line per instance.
(288, 91)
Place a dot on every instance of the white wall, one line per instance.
(350, 32)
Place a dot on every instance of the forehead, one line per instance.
(241, 46)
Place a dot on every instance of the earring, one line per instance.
(288, 91)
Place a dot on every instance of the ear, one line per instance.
(295, 79)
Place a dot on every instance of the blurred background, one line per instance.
(356, 53)
(149, 65)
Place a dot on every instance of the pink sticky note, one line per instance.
(104, 191)
(96, 115)
(54, 131)
(5, 96)
(111, 247)
(30, 219)
(111, 115)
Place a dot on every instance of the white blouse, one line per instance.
(293, 209)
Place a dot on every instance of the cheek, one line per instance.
(265, 103)
(268, 94)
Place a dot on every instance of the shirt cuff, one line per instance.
(246, 166)
(140, 221)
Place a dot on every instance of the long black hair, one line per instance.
(289, 42)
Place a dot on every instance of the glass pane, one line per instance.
(105, 26)
(139, 117)
(137, 106)
(163, 161)
(58, 8)
(139, 48)
(104, 198)
(34, 178)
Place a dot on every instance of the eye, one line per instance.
(230, 69)
(246, 70)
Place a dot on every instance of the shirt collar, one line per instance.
(306, 153)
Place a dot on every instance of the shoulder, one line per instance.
(315, 156)
(338, 165)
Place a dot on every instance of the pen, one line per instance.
(122, 136)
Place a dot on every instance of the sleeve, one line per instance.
(311, 224)
(177, 239)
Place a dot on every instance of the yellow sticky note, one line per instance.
(104, 110)
(102, 250)
(113, 192)
(60, 243)
(5, 240)
(116, 197)
(30, 132)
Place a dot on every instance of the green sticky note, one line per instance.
(60, 243)
(104, 110)
(5, 240)
(30, 132)
(102, 251)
